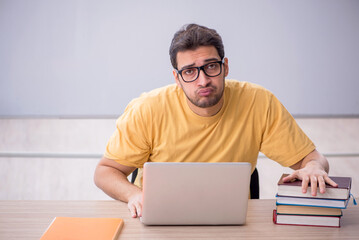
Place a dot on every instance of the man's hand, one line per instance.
(135, 205)
(312, 169)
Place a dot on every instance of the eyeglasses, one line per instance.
(190, 74)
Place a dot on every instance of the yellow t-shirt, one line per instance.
(159, 126)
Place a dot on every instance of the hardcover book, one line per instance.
(294, 189)
(306, 220)
(83, 228)
(304, 210)
(312, 202)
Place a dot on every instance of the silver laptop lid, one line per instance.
(195, 193)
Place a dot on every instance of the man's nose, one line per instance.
(203, 79)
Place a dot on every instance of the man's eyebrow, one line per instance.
(187, 66)
(212, 59)
(206, 61)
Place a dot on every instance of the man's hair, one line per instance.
(192, 36)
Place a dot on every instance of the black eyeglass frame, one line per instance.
(199, 70)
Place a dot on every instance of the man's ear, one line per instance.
(176, 78)
(226, 67)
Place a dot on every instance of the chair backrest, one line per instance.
(254, 185)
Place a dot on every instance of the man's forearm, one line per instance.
(316, 157)
(114, 183)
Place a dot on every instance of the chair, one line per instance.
(254, 185)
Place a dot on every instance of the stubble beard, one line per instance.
(209, 101)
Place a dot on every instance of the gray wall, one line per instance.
(90, 58)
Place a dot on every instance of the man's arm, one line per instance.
(111, 177)
(313, 168)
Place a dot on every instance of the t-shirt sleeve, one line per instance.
(283, 140)
(129, 144)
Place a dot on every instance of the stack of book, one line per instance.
(296, 208)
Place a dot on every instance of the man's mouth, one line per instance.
(204, 92)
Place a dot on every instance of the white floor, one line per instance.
(45, 176)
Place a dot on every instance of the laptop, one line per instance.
(195, 193)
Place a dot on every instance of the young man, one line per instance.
(205, 118)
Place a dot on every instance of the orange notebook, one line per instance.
(73, 228)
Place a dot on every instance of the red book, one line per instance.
(294, 189)
(306, 220)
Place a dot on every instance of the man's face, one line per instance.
(205, 91)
